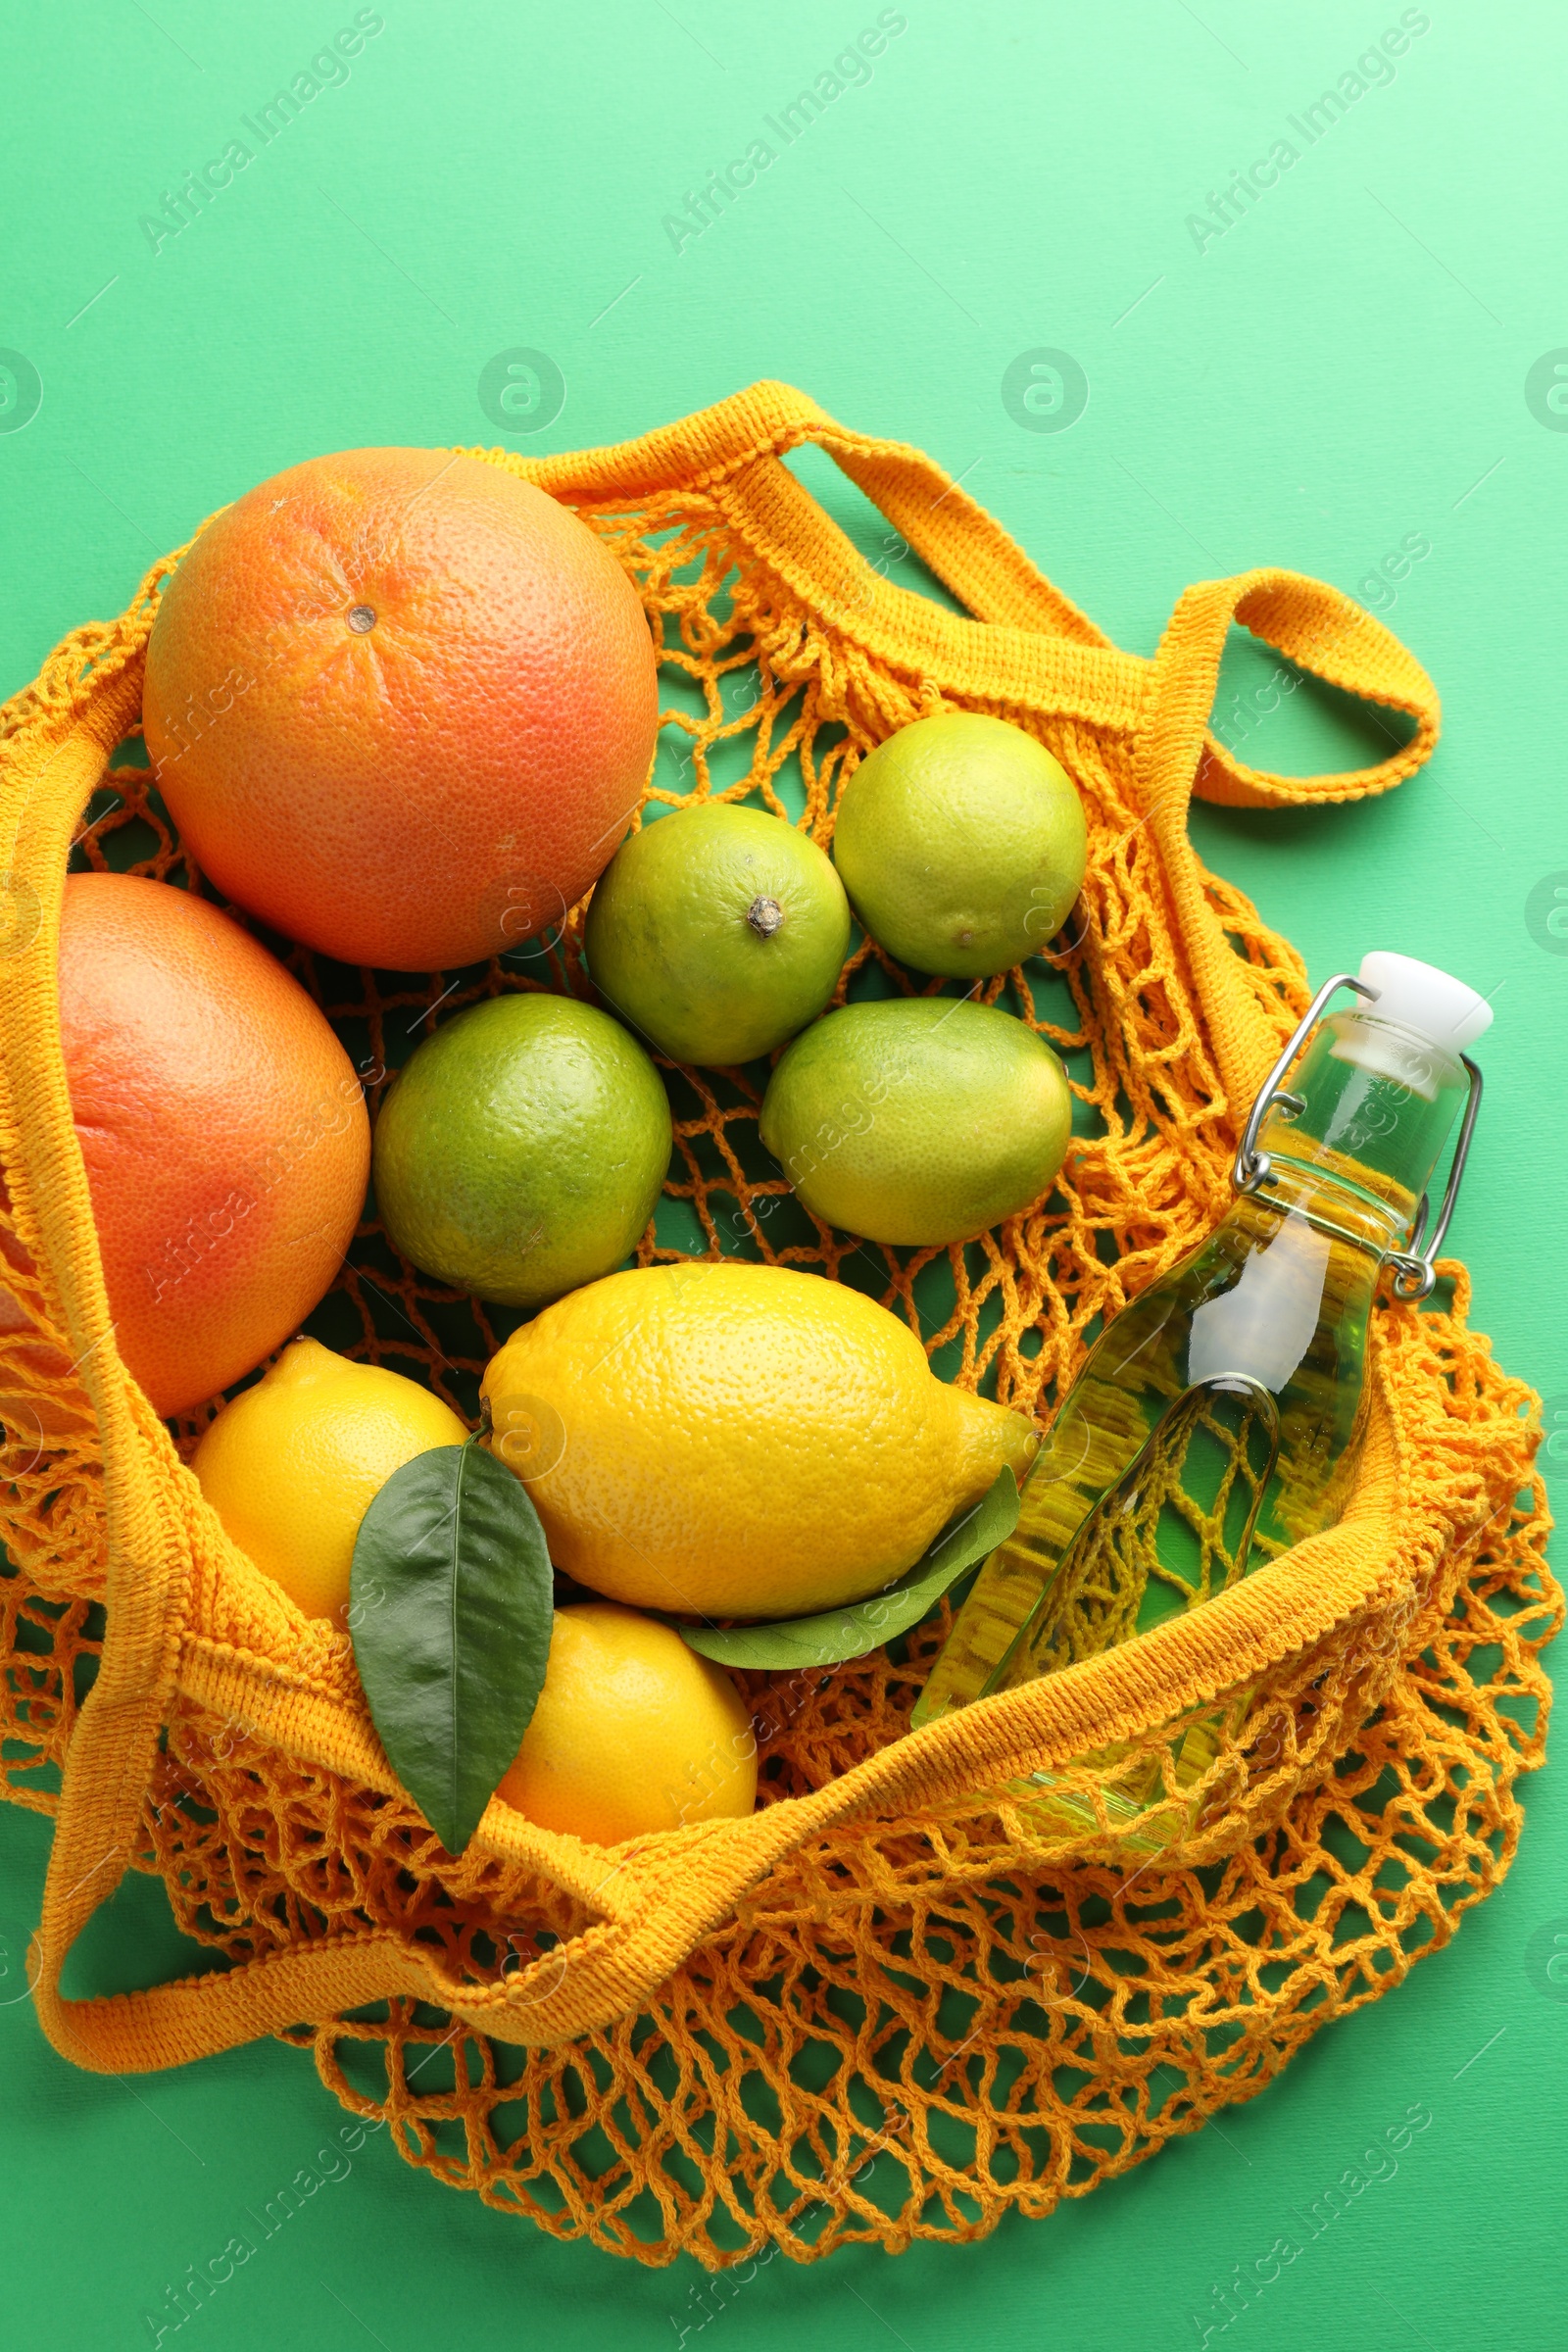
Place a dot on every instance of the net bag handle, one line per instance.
(734, 451)
(1319, 629)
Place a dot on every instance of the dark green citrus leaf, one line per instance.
(451, 1604)
(849, 1633)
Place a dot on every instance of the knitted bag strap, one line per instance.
(734, 450)
(48, 771)
(1320, 629)
(1031, 648)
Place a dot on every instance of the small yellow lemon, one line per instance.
(738, 1441)
(633, 1732)
(293, 1464)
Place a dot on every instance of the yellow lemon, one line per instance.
(633, 1732)
(738, 1441)
(292, 1465)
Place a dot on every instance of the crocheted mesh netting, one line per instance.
(901, 2001)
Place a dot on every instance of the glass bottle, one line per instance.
(1217, 1419)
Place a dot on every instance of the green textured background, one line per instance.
(1346, 369)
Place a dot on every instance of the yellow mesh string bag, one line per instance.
(895, 2002)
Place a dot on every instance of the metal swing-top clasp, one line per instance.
(1415, 1269)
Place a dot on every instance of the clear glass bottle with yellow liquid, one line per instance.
(1216, 1421)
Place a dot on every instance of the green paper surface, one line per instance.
(1010, 243)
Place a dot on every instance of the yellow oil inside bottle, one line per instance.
(1215, 1423)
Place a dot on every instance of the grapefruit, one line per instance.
(222, 1126)
(402, 705)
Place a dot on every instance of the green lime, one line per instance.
(521, 1148)
(961, 842)
(918, 1119)
(717, 931)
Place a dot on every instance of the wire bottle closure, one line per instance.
(1415, 1269)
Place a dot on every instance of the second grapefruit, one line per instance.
(224, 1128)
